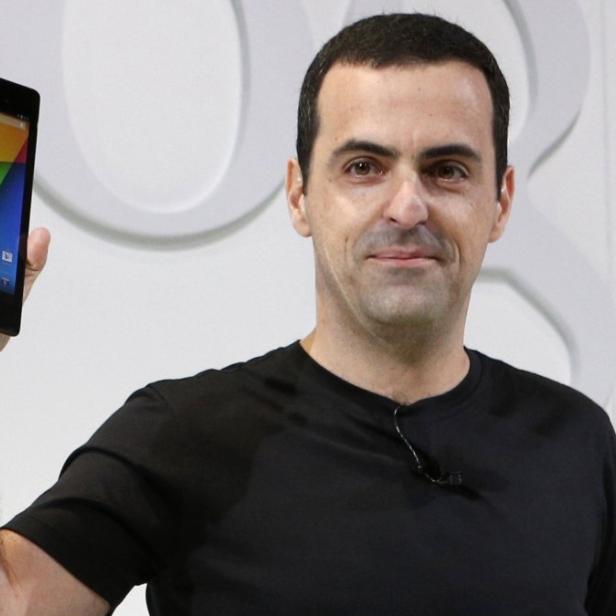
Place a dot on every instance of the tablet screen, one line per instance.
(14, 132)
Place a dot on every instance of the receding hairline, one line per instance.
(412, 63)
(403, 65)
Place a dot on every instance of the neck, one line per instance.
(404, 367)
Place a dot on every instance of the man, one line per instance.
(377, 466)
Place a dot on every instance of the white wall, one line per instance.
(127, 167)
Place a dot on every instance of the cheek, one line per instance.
(473, 246)
(335, 223)
(467, 229)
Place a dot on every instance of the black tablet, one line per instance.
(19, 108)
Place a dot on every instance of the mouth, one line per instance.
(400, 257)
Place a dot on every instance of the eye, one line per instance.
(448, 172)
(363, 168)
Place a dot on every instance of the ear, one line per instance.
(296, 199)
(503, 204)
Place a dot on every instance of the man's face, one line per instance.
(401, 201)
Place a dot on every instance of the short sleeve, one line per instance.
(108, 519)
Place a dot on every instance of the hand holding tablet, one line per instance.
(19, 108)
(38, 244)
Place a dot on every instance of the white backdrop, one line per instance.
(163, 137)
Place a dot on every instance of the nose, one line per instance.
(407, 207)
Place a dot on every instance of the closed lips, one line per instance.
(403, 254)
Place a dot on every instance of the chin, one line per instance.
(404, 316)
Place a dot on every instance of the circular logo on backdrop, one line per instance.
(275, 47)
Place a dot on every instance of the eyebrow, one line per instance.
(362, 145)
(439, 151)
(450, 149)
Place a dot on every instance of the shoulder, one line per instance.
(540, 396)
(227, 405)
(231, 379)
(230, 389)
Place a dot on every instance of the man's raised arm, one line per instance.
(31, 582)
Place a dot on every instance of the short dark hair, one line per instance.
(401, 39)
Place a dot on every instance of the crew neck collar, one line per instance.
(427, 409)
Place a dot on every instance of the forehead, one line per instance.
(442, 101)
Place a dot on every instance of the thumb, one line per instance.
(38, 246)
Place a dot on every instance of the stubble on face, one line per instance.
(388, 302)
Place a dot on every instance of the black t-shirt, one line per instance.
(273, 487)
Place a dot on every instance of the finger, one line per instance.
(38, 247)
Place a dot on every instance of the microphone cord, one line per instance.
(443, 479)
